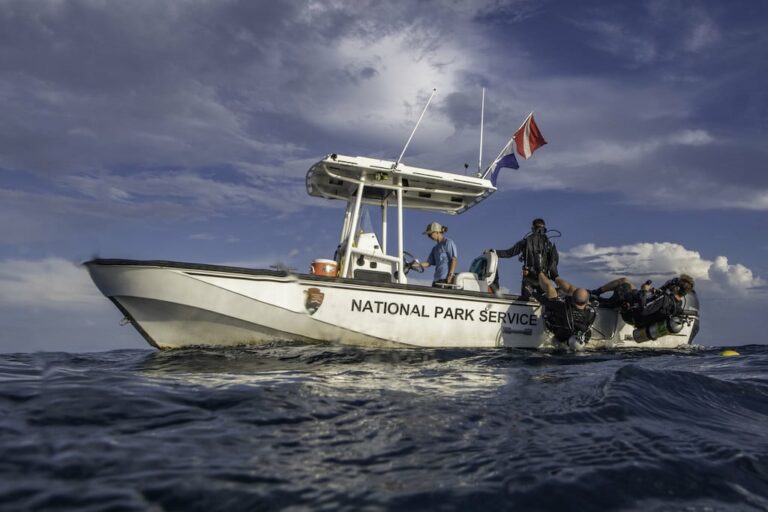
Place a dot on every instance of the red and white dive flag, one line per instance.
(528, 138)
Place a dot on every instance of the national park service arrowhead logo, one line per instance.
(314, 300)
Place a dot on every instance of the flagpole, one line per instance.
(526, 119)
(488, 170)
(482, 113)
(414, 129)
(526, 139)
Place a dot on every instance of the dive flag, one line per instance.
(505, 159)
(528, 138)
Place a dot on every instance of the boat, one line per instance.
(363, 295)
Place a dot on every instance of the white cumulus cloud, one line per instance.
(50, 283)
(660, 261)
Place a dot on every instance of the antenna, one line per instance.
(414, 128)
(480, 158)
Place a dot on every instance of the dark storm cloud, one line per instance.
(87, 85)
(126, 108)
(90, 88)
(461, 109)
(659, 103)
(107, 47)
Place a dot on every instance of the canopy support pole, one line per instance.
(384, 226)
(353, 227)
(400, 274)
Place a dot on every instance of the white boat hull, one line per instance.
(175, 305)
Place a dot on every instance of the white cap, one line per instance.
(433, 227)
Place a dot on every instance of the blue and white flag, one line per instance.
(505, 159)
(526, 140)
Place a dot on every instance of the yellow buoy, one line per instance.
(729, 353)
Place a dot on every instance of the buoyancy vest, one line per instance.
(651, 308)
(659, 307)
(583, 319)
(567, 320)
(538, 253)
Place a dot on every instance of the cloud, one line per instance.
(212, 83)
(202, 236)
(735, 276)
(619, 40)
(50, 283)
(610, 152)
(702, 35)
(170, 93)
(644, 34)
(208, 237)
(204, 193)
(135, 122)
(45, 215)
(660, 261)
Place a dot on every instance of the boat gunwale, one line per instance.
(329, 281)
(452, 293)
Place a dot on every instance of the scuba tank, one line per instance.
(534, 256)
(672, 325)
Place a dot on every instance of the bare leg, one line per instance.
(546, 285)
(612, 285)
(564, 285)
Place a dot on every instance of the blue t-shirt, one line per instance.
(440, 258)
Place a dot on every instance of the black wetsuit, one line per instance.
(657, 307)
(538, 254)
(643, 308)
(564, 319)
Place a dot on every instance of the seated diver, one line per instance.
(569, 318)
(647, 306)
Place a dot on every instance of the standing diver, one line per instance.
(538, 254)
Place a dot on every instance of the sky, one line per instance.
(183, 130)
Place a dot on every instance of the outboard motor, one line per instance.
(691, 310)
(691, 304)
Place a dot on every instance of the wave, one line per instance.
(324, 427)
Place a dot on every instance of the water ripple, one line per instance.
(337, 428)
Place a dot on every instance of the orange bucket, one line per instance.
(327, 268)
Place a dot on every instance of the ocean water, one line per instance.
(308, 427)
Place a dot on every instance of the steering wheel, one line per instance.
(408, 260)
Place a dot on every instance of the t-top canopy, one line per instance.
(338, 177)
